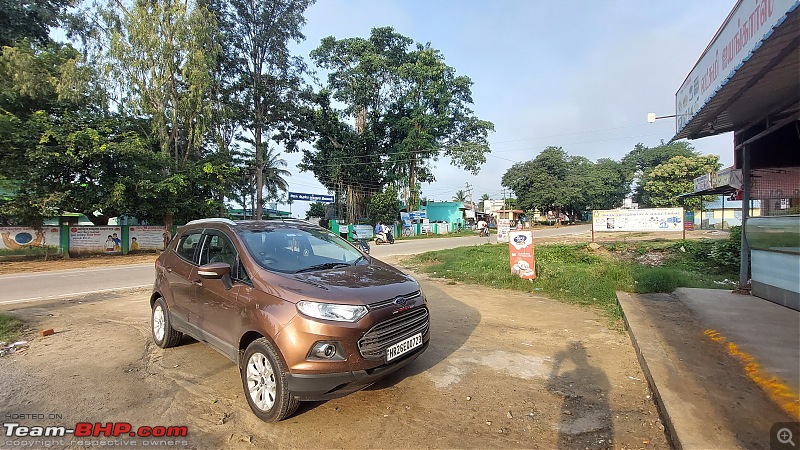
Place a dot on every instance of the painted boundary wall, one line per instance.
(76, 240)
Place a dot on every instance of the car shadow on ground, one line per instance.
(452, 323)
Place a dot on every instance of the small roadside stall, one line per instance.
(746, 82)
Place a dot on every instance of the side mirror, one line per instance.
(214, 271)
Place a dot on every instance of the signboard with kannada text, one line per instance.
(95, 240)
(148, 238)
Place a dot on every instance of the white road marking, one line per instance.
(74, 294)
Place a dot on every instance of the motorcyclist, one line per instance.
(383, 233)
(483, 227)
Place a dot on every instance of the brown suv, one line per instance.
(304, 314)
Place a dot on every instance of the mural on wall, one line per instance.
(142, 237)
(95, 240)
(15, 238)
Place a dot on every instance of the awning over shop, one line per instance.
(747, 73)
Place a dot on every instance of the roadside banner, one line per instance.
(688, 221)
(520, 248)
(364, 231)
(15, 238)
(142, 237)
(95, 240)
(503, 227)
(652, 219)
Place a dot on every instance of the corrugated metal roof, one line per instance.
(767, 82)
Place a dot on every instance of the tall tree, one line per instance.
(664, 183)
(643, 159)
(434, 118)
(408, 108)
(162, 55)
(270, 79)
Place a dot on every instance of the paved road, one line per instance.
(39, 286)
(23, 288)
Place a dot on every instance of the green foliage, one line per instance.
(558, 181)
(384, 207)
(28, 19)
(409, 108)
(460, 196)
(641, 160)
(265, 79)
(662, 184)
(315, 209)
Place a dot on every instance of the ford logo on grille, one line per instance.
(400, 301)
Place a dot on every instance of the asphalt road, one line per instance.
(62, 284)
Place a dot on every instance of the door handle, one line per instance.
(197, 283)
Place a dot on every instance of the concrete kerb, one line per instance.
(631, 311)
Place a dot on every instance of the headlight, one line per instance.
(329, 311)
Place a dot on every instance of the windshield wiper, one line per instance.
(331, 265)
(360, 258)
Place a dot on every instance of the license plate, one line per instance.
(403, 347)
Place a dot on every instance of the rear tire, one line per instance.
(163, 334)
(266, 382)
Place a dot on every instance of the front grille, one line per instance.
(373, 345)
(391, 301)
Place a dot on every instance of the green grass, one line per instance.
(574, 274)
(45, 250)
(10, 327)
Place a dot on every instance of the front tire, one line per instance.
(265, 382)
(163, 334)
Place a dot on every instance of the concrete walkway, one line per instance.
(724, 368)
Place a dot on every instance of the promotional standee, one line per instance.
(503, 227)
(520, 247)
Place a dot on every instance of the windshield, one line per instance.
(293, 250)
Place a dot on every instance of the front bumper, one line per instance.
(316, 387)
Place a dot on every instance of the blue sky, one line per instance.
(577, 74)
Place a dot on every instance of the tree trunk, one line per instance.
(259, 208)
(168, 219)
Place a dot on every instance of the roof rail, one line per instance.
(212, 220)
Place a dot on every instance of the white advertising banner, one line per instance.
(15, 238)
(655, 219)
(95, 240)
(743, 31)
(147, 238)
(503, 227)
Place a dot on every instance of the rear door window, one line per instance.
(187, 245)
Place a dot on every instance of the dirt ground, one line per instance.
(504, 369)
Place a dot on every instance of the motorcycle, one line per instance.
(362, 244)
(484, 232)
(383, 238)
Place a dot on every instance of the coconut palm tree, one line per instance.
(484, 197)
(460, 196)
(274, 182)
